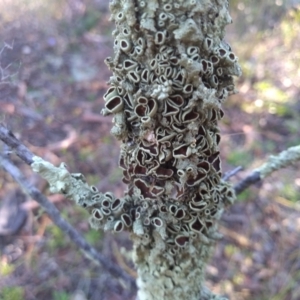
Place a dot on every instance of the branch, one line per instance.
(55, 216)
(10, 140)
(275, 162)
(232, 173)
(253, 178)
(73, 186)
(25, 154)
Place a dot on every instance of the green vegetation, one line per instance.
(244, 196)
(6, 269)
(270, 98)
(239, 157)
(93, 236)
(58, 295)
(12, 293)
(58, 239)
(289, 192)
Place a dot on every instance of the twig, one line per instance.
(55, 216)
(73, 186)
(275, 162)
(246, 182)
(32, 205)
(21, 150)
(232, 173)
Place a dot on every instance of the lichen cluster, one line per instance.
(172, 70)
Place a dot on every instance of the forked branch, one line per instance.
(26, 155)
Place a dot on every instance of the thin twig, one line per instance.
(60, 180)
(246, 182)
(55, 216)
(232, 173)
(10, 140)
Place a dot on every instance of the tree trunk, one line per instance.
(172, 70)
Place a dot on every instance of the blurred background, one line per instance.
(52, 82)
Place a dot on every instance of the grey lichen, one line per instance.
(61, 181)
(285, 158)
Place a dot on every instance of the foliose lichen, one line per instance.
(172, 70)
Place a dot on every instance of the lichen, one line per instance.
(285, 158)
(61, 181)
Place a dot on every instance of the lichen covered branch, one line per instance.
(274, 163)
(282, 160)
(73, 186)
(68, 229)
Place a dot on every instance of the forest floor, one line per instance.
(52, 82)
